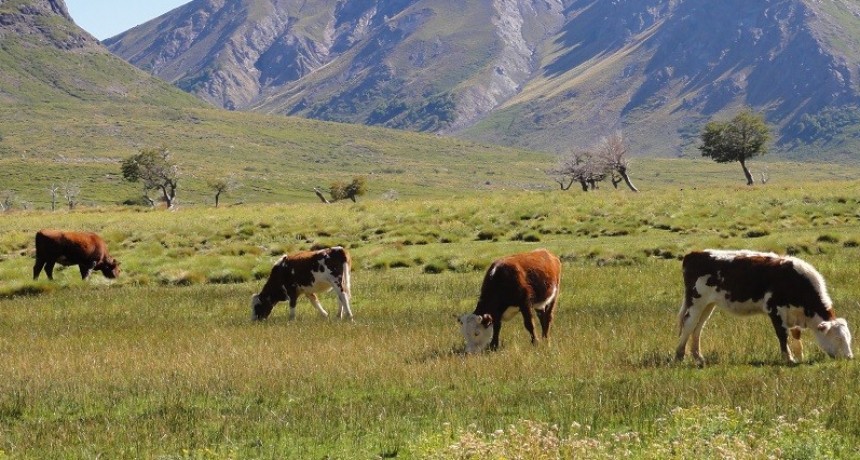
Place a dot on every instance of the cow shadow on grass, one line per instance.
(438, 354)
(657, 359)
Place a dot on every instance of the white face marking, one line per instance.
(834, 338)
(478, 336)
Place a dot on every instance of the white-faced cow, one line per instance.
(86, 250)
(308, 273)
(515, 284)
(790, 291)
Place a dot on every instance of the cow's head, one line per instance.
(109, 268)
(477, 330)
(260, 307)
(834, 338)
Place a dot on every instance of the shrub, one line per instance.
(487, 235)
(827, 239)
(228, 276)
(435, 267)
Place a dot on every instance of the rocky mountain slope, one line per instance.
(46, 58)
(543, 74)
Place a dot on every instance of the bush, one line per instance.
(228, 276)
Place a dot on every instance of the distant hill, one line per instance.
(70, 111)
(544, 74)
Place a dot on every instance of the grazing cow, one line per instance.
(790, 291)
(308, 273)
(86, 250)
(517, 283)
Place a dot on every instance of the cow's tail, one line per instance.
(682, 315)
(347, 265)
(347, 283)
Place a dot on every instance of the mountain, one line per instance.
(45, 57)
(544, 74)
(70, 111)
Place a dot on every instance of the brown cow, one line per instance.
(86, 250)
(308, 273)
(515, 284)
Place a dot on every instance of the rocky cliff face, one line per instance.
(35, 18)
(539, 73)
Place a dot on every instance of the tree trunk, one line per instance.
(747, 173)
(560, 183)
(321, 196)
(627, 181)
(217, 196)
(584, 185)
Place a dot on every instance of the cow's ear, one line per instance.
(486, 321)
(824, 326)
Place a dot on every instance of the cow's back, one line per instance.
(535, 274)
(747, 276)
(75, 246)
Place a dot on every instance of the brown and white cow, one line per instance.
(86, 250)
(789, 290)
(514, 284)
(308, 273)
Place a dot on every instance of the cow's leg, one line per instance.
(689, 318)
(37, 268)
(316, 301)
(343, 299)
(695, 338)
(497, 327)
(781, 335)
(797, 345)
(528, 321)
(49, 270)
(293, 298)
(85, 271)
(545, 318)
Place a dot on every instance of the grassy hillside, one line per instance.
(164, 362)
(276, 159)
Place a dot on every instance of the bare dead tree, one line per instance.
(8, 201)
(612, 152)
(71, 192)
(580, 166)
(54, 189)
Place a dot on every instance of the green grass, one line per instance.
(164, 362)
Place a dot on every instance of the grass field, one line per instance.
(164, 362)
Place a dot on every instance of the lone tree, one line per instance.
(222, 186)
(156, 170)
(342, 190)
(739, 139)
(612, 151)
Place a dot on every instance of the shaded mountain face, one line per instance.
(544, 74)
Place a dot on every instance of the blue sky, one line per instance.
(106, 18)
